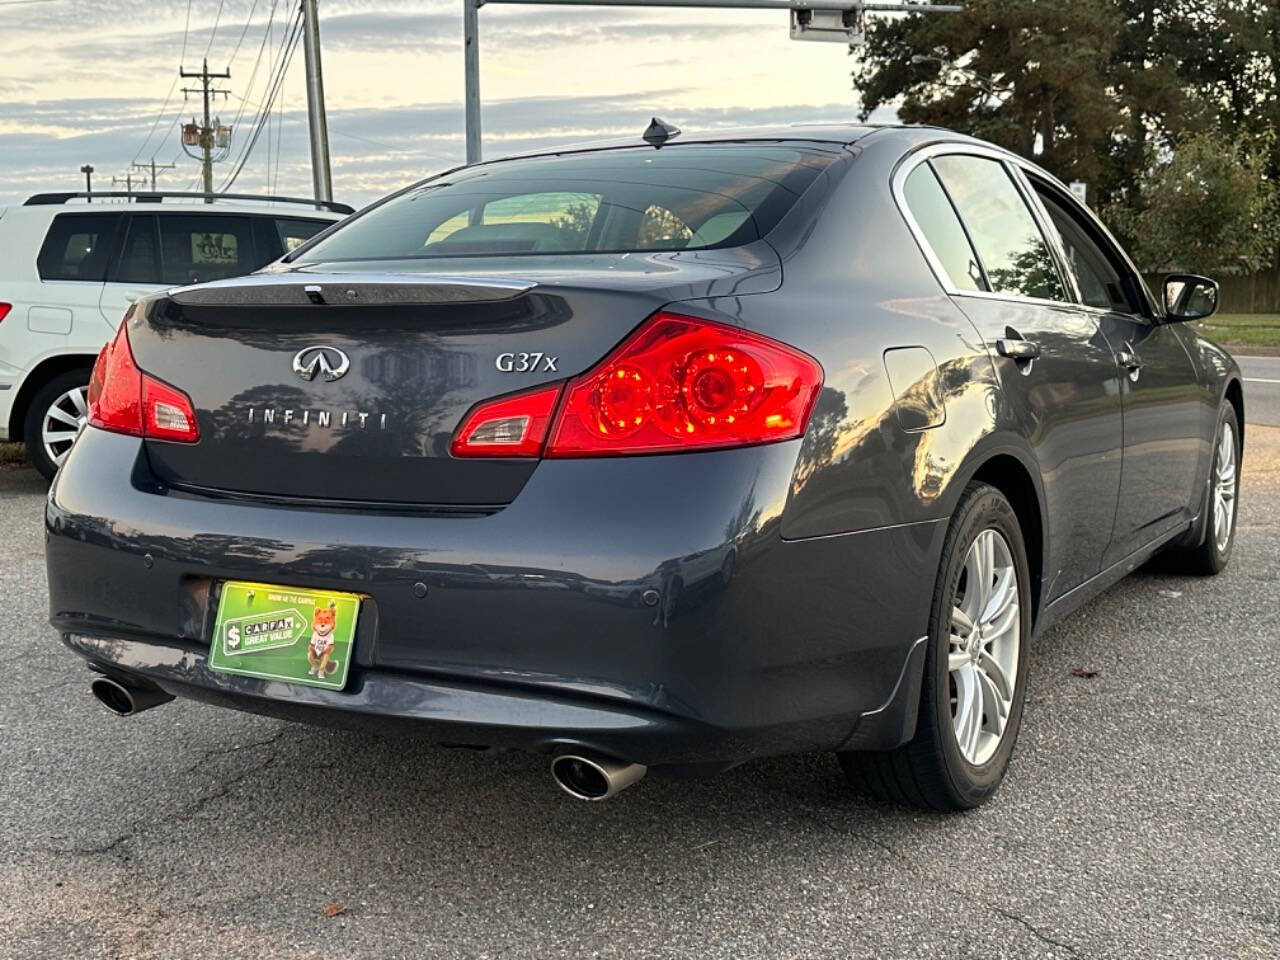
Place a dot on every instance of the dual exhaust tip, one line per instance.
(589, 777)
(126, 699)
(582, 776)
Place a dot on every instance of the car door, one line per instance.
(1162, 403)
(136, 271)
(72, 264)
(1056, 369)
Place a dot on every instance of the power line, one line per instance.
(150, 133)
(261, 107)
(291, 44)
(253, 76)
(216, 20)
(185, 31)
(247, 23)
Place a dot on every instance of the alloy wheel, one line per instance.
(1224, 487)
(62, 423)
(986, 631)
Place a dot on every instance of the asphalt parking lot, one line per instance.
(1141, 816)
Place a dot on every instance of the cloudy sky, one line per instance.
(95, 81)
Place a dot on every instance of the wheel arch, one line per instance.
(1235, 395)
(41, 374)
(1015, 473)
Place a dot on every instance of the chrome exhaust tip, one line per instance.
(594, 778)
(125, 700)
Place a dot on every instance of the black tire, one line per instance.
(1208, 558)
(36, 410)
(930, 771)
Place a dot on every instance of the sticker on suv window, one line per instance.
(214, 248)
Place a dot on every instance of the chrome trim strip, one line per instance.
(353, 289)
(1019, 168)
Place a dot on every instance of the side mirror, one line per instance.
(1189, 297)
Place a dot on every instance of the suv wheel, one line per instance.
(975, 667)
(55, 417)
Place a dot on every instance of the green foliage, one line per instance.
(1090, 89)
(1209, 209)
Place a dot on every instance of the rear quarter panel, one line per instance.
(855, 285)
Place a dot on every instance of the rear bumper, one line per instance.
(535, 630)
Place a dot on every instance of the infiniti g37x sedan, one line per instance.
(673, 454)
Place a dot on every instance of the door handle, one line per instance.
(1017, 349)
(1127, 358)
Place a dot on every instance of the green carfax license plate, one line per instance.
(284, 633)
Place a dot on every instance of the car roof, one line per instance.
(832, 132)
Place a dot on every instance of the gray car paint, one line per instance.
(793, 581)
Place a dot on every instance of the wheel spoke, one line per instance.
(968, 716)
(1004, 592)
(60, 436)
(957, 660)
(991, 668)
(78, 401)
(62, 416)
(1000, 627)
(996, 708)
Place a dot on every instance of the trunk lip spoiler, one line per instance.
(351, 290)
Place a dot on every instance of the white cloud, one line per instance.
(84, 81)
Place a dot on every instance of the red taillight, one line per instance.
(4, 309)
(680, 383)
(123, 399)
(511, 426)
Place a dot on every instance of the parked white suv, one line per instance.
(71, 264)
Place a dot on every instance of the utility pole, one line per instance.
(127, 179)
(321, 177)
(471, 74)
(87, 170)
(144, 167)
(207, 132)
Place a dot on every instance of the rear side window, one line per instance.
(682, 197)
(1012, 249)
(196, 248)
(294, 233)
(937, 219)
(1098, 280)
(140, 260)
(77, 247)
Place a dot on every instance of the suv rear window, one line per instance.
(77, 247)
(682, 197)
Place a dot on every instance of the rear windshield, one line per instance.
(688, 197)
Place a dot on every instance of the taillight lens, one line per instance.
(4, 309)
(123, 399)
(681, 383)
(511, 426)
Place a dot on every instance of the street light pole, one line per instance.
(87, 170)
(321, 177)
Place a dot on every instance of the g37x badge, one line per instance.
(526, 363)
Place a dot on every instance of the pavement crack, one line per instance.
(1036, 932)
(187, 811)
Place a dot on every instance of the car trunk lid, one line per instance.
(347, 387)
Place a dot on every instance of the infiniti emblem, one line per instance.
(330, 361)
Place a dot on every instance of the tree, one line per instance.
(1207, 208)
(1090, 89)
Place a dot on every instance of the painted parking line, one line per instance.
(1259, 380)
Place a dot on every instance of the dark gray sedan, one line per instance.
(672, 453)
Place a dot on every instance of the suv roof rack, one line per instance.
(147, 196)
